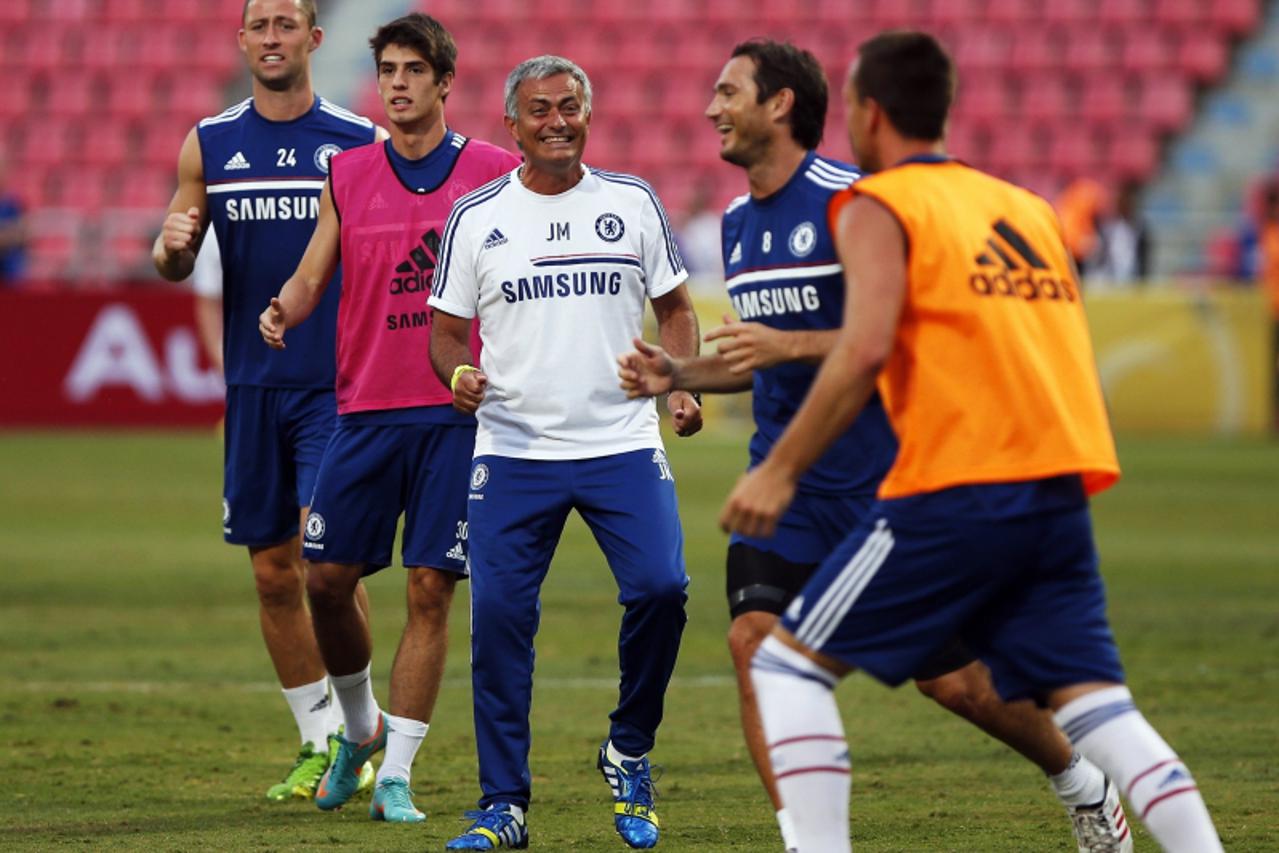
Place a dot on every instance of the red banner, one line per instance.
(121, 358)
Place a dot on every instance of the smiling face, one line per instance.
(744, 124)
(277, 40)
(410, 91)
(552, 122)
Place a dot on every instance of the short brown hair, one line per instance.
(422, 34)
(307, 7)
(781, 65)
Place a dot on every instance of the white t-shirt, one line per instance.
(558, 283)
(206, 276)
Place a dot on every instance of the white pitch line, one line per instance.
(73, 687)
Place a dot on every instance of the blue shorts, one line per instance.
(1022, 591)
(813, 526)
(373, 473)
(275, 438)
(518, 507)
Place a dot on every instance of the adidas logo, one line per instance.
(736, 257)
(237, 162)
(1006, 250)
(378, 203)
(456, 552)
(1175, 775)
(493, 240)
(1010, 266)
(414, 274)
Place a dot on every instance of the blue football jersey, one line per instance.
(781, 270)
(264, 180)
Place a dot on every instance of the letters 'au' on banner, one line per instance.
(125, 358)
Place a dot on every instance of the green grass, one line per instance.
(138, 708)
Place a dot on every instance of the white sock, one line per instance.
(805, 744)
(787, 826)
(359, 708)
(403, 737)
(616, 757)
(1081, 784)
(1107, 728)
(313, 710)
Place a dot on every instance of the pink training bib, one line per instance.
(390, 243)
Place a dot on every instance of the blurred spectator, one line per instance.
(1123, 246)
(13, 233)
(699, 236)
(1078, 207)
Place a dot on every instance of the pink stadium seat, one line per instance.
(1014, 13)
(1069, 13)
(40, 48)
(109, 145)
(1235, 16)
(1165, 103)
(1014, 147)
(126, 98)
(71, 95)
(1122, 13)
(982, 50)
(64, 11)
(1145, 51)
(15, 11)
(1133, 156)
(1088, 49)
(1178, 14)
(1106, 98)
(984, 97)
(144, 189)
(81, 189)
(15, 95)
(48, 146)
(161, 143)
(1071, 152)
(1046, 98)
(947, 13)
(1202, 54)
(1035, 50)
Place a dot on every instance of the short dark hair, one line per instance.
(782, 65)
(307, 7)
(911, 77)
(420, 33)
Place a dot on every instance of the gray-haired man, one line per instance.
(557, 260)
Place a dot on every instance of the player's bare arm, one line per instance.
(453, 361)
(678, 332)
(302, 292)
(183, 229)
(648, 370)
(745, 347)
(873, 249)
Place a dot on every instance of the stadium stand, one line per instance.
(98, 96)
(1053, 89)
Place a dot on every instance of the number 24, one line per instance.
(287, 157)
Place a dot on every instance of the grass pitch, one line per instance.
(139, 710)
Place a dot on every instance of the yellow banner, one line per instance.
(1171, 361)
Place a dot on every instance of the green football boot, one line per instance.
(303, 778)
